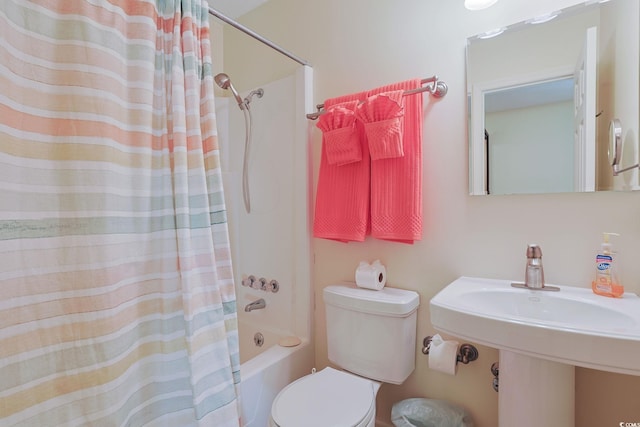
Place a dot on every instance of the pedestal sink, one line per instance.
(541, 337)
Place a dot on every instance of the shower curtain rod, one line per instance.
(256, 36)
(435, 87)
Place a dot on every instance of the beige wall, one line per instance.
(358, 44)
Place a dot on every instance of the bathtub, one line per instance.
(270, 368)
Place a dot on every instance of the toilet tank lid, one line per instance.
(388, 301)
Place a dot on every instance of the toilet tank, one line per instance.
(372, 333)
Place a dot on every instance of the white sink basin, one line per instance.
(573, 326)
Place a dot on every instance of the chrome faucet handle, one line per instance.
(534, 251)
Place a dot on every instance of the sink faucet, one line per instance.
(534, 273)
(256, 305)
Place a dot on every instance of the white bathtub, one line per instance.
(270, 369)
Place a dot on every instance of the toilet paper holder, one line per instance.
(466, 352)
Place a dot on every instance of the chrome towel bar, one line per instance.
(434, 86)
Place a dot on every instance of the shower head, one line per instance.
(224, 82)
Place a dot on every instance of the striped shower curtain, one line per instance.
(117, 305)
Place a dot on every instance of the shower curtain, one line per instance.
(117, 304)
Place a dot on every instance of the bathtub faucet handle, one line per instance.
(248, 281)
(258, 283)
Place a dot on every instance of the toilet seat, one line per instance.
(326, 398)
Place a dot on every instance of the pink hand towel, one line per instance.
(342, 195)
(340, 137)
(382, 118)
(396, 183)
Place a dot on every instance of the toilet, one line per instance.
(371, 337)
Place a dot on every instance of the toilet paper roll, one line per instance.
(371, 276)
(443, 355)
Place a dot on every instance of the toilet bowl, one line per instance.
(326, 398)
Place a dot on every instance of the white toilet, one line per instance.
(370, 334)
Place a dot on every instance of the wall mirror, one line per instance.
(542, 94)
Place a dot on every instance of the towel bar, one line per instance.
(434, 86)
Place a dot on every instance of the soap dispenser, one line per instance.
(606, 282)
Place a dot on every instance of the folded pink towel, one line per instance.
(342, 194)
(396, 183)
(340, 135)
(382, 118)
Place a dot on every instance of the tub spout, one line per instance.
(256, 305)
